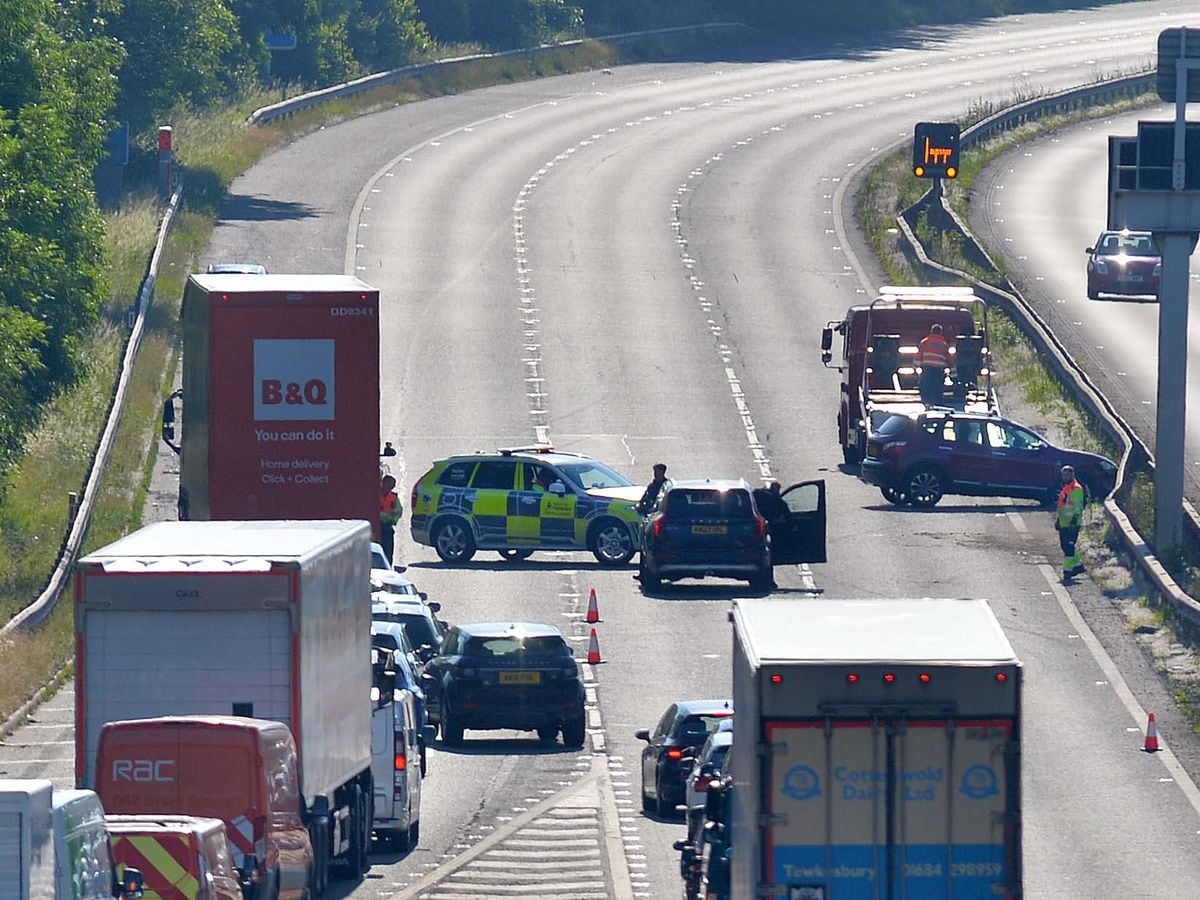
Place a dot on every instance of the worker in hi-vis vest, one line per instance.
(1068, 521)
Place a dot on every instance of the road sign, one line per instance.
(935, 150)
(1156, 154)
(1175, 44)
(276, 40)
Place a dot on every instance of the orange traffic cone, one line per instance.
(593, 613)
(1151, 745)
(594, 650)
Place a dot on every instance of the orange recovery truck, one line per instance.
(259, 620)
(180, 857)
(280, 398)
(878, 359)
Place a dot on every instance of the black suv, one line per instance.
(508, 675)
(713, 527)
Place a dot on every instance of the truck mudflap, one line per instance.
(892, 808)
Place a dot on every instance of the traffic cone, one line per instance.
(1151, 745)
(594, 650)
(593, 613)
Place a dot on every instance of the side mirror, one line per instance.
(388, 449)
(642, 734)
(826, 340)
(434, 607)
(247, 874)
(424, 595)
(558, 488)
(682, 846)
(132, 883)
(168, 420)
(1090, 250)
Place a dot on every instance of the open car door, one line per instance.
(802, 538)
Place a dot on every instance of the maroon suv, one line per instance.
(919, 459)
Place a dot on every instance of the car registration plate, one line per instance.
(520, 677)
(709, 529)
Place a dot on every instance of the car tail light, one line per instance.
(893, 447)
(760, 526)
(464, 671)
(701, 783)
(674, 753)
(401, 762)
(657, 527)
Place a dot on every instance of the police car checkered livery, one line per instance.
(523, 499)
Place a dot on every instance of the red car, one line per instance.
(1123, 262)
(919, 459)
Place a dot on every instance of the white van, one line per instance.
(395, 758)
(84, 868)
(54, 844)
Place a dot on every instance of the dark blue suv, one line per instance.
(520, 675)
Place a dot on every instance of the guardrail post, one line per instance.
(72, 507)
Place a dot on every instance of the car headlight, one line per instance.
(1101, 267)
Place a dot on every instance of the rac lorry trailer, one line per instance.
(880, 377)
(259, 619)
(876, 751)
(280, 397)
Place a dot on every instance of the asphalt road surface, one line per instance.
(637, 265)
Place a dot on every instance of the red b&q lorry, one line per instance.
(280, 398)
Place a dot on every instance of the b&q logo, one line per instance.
(293, 380)
(143, 770)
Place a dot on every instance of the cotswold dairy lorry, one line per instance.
(876, 751)
(269, 620)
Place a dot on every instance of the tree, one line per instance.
(175, 52)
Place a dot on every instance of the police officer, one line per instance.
(1068, 522)
(650, 495)
(933, 356)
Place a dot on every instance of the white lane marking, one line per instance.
(1124, 694)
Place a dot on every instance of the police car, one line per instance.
(521, 499)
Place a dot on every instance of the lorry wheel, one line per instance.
(851, 456)
(453, 541)
(574, 733)
(414, 834)
(452, 732)
(611, 543)
(354, 862)
(925, 487)
(399, 841)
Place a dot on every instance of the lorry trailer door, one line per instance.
(889, 807)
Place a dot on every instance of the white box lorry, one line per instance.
(876, 751)
(26, 839)
(268, 619)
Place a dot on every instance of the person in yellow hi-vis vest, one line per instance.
(1068, 522)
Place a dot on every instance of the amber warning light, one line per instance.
(935, 150)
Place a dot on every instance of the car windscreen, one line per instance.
(419, 629)
(893, 426)
(696, 729)
(685, 504)
(589, 474)
(510, 648)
